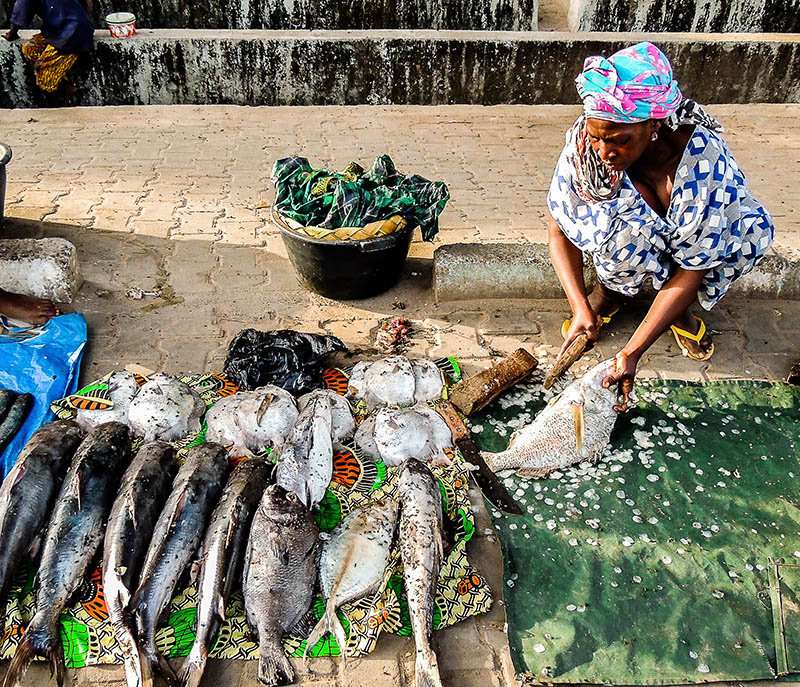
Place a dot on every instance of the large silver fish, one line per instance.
(420, 538)
(222, 556)
(165, 408)
(145, 487)
(305, 463)
(176, 538)
(352, 564)
(73, 537)
(29, 490)
(575, 426)
(280, 570)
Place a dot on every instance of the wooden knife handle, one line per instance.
(472, 394)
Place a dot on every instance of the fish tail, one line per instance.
(493, 460)
(329, 622)
(130, 655)
(195, 666)
(166, 672)
(273, 665)
(145, 669)
(40, 639)
(427, 669)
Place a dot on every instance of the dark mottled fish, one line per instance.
(29, 491)
(420, 538)
(145, 487)
(7, 397)
(175, 541)
(73, 537)
(222, 557)
(279, 575)
(14, 419)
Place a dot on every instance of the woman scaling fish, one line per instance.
(647, 186)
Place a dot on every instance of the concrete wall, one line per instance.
(685, 15)
(386, 67)
(491, 15)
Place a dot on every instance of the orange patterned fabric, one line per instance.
(49, 65)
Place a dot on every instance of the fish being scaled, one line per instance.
(279, 576)
(575, 426)
(395, 380)
(305, 463)
(145, 487)
(176, 537)
(352, 564)
(73, 536)
(396, 434)
(222, 556)
(420, 538)
(165, 408)
(343, 423)
(122, 387)
(251, 421)
(29, 491)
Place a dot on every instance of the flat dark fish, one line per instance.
(176, 538)
(73, 538)
(145, 487)
(222, 558)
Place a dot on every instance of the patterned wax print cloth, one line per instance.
(356, 197)
(712, 223)
(49, 64)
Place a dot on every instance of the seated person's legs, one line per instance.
(27, 308)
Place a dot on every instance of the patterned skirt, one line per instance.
(49, 64)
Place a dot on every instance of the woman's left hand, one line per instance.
(624, 374)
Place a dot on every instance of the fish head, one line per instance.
(593, 379)
(281, 505)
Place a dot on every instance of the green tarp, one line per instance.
(672, 560)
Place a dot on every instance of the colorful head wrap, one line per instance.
(633, 85)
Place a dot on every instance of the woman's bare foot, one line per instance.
(697, 349)
(27, 308)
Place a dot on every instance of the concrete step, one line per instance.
(397, 67)
(476, 271)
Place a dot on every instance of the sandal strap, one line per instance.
(694, 337)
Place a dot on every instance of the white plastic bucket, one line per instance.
(121, 24)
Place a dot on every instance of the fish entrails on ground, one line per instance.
(575, 426)
(176, 538)
(73, 537)
(420, 538)
(145, 487)
(222, 558)
(279, 576)
(352, 564)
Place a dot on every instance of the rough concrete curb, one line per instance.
(474, 271)
(415, 67)
(47, 268)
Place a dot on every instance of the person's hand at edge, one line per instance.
(584, 321)
(624, 375)
(12, 34)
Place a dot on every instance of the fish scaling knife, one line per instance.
(486, 479)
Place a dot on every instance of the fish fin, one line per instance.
(146, 669)
(19, 664)
(489, 459)
(329, 622)
(304, 624)
(534, 473)
(176, 514)
(19, 469)
(578, 420)
(36, 543)
(426, 669)
(221, 608)
(276, 544)
(271, 662)
(262, 408)
(195, 568)
(194, 667)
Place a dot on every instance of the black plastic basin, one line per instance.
(346, 270)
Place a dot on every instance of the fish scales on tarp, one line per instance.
(667, 540)
(462, 591)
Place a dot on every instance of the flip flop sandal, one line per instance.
(605, 319)
(678, 332)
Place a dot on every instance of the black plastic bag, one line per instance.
(289, 359)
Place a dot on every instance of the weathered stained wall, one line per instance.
(491, 15)
(394, 67)
(686, 15)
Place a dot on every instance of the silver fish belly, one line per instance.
(574, 427)
(352, 563)
(145, 487)
(420, 538)
(222, 558)
(73, 536)
(176, 538)
(278, 582)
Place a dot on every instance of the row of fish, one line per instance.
(159, 517)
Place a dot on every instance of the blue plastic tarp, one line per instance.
(45, 364)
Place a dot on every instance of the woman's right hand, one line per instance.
(583, 321)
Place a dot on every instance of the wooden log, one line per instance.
(472, 394)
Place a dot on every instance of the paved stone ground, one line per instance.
(175, 200)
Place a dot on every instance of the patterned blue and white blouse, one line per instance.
(712, 223)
